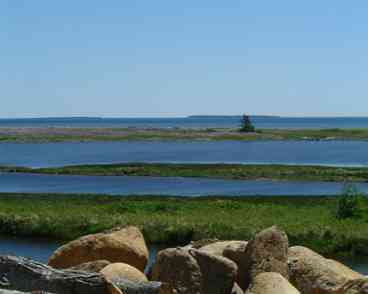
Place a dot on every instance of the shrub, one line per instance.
(348, 202)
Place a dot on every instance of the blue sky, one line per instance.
(175, 58)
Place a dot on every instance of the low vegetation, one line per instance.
(349, 202)
(224, 171)
(37, 135)
(309, 221)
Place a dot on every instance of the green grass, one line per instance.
(225, 171)
(128, 134)
(309, 221)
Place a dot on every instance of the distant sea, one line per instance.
(190, 122)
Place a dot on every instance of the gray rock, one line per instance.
(129, 287)
(25, 275)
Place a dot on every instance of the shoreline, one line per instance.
(309, 221)
(210, 171)
(64, 134)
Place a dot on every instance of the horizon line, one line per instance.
(176, 117)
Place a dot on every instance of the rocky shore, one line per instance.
(114, 262)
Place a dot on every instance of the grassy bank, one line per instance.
(309, 221)
(224, 171)
(24, 135)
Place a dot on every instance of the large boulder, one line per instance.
(121, 270)
(177, 267)
(233, 250)
(313, 274)
(271, 283)
(266, 252)
(218, 273)
(91, 267)
(191, 271)
(125, 245)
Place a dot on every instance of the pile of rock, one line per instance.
(114, 263)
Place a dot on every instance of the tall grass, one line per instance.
(309, 221)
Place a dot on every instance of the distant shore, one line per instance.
(217, 171)
(308, 221)
(62, 134)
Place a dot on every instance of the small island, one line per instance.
(64, 134)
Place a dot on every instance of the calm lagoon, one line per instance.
(126, 185)
(344, 153)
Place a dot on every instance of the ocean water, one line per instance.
(192, 122)
(342, 153)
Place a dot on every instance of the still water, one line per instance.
(33, 183)
(344, 153)
(191, 122)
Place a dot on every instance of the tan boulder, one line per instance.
(218, 273)
(266, 252)
(91, 267)
(313, 274)
(191, 271)
(126, 245)
(121, 270)
(233, 250)
(178, 268)
(271, 283)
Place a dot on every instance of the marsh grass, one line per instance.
(309, 221)
(224, 171)
(213, 134)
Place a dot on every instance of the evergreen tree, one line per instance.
(246, 124)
